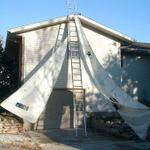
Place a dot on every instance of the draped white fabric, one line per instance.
(30, 99)
(134, 113)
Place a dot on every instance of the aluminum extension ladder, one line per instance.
(79, 95)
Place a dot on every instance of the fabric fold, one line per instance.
(138, 111)
(30, 99)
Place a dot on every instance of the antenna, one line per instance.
(71, 7)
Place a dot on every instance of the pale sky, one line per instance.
(130, 17)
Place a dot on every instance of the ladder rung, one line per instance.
(74, 45)
(74, 42)
(73, 35)
(73, 30)
(77, 86)
(77, 80)
(75, 57)
(61, 34)
(76, 62)
(76, 65)
(73, 48)
(76, 69)
(75, 54)
(77, 73)
(78, 91)
(61, 28)
(76, 51)
(80, 101)
(73, 27)
(79, 95)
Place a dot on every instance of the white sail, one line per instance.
(140, 112)
(30, 99)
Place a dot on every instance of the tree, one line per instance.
(7, 73)
(1, 44)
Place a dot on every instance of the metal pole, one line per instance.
(71, 7)
(85, 126)
(75, 116)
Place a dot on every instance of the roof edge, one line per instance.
(106, 29)
(142, 45)
(26, 28)
(64, 19)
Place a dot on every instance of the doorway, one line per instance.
(59, 111)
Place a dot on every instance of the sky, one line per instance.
(130, 17)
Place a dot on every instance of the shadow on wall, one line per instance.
(96, 102)
(62, 79)
(59, 110)
(133, 77)
(112, 65)
(42, 42)
(136, 75)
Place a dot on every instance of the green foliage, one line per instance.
(8, 76)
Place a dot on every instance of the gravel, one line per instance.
(21, 141)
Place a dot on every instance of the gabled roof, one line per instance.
(83, 19)
(105, 29)
(38, 25)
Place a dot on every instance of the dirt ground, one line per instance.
(21, 141)
(67, 140)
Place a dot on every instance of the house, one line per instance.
(126, 60)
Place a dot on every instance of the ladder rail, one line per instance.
(85, 120)
(75, 63)
(75, 115)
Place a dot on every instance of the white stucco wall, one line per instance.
(107, 52)
(37, 44)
